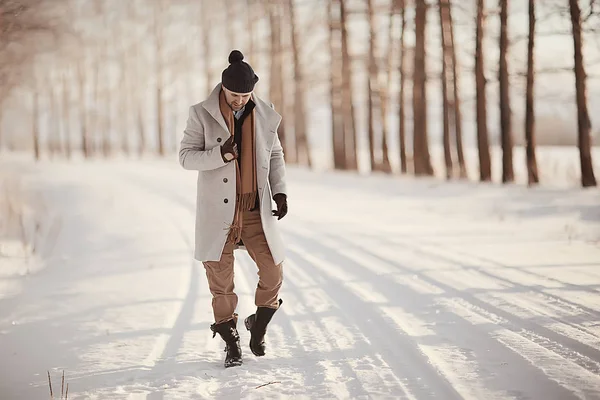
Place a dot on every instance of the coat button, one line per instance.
(226, 201)
(219, 140)
(225, 180)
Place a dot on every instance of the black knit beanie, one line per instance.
(239, 77)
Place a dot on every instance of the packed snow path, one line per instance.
(393, 288)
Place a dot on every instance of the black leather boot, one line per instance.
(257, 325)
(229, 334)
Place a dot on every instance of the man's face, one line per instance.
(236, 100)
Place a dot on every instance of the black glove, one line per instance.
(229, 147)
(282, 208)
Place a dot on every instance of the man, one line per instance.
(231, 139)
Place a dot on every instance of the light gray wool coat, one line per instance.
(200, 150)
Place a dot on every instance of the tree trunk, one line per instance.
(421, 157)
(446, 59)
(384, 93)
(250, 27)
(505, 113)
(139, 97)
(230, 12)
(349, 119)
(96, 129)
(371, 84)
(401, 100)
(36, 125)
(457, 116)
(302, 146)
(276, 68)
(337, 123)
(66, 108)
(207, 54)
(142, 135)
(159, 78)
(485, 169)
(106, 142)
(584, 124)
(1, 117)
(53, 128)
(85, 146)
(532, 170)
(125, 104)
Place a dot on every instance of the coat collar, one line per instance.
(263, 110)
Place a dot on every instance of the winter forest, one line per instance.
(434, 200)
(378, 85)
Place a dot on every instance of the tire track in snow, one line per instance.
(534, 308)
(344, 352)
(517, 326)
(294, 337)
(586, 351)
(407, 362)
(457, 363)
(567, 374)
(458, 256)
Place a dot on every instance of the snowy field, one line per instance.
(393, 288)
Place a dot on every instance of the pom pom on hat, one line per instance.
(235, 56)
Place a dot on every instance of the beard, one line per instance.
(236, 107)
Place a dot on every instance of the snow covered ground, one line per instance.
(394, 288)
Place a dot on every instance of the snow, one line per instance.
(393, 288)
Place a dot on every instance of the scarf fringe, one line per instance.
(247, 201)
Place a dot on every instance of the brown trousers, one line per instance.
(220, 273)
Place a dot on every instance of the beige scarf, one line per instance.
(246, 186)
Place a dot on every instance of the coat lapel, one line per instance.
(212, 106)
(267, 120)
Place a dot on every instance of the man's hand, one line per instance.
(282, 208)
(229, 147)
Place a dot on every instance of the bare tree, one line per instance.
(485, 172)
(107, 121)
(372, 87)
(251, 27)
(384, 90)
(66, 117)
(35, 118)
(349, 115)
(421, 156)
(443, 6)
(53, 138)
(583, 119)
(22, 23)
(96, 94)
(302, 147)
(83, 126)
(336, 87)
(159, 61)
(1, 120)
(401, 99)
(455, 105)
(505, 112)
(532, 170)
(125, 101)
(205, 17)
(276, 86)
